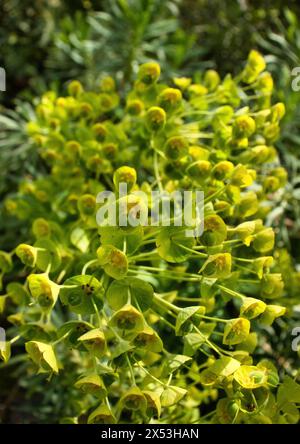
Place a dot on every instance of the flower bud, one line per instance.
(149, 73)
(281, 174)
(41, 228)
(196, 90)
(155, 118)
(43, 355)
(148, 339)
(199, 170)
(222, 169)
(113, 261)
(265, 83)
(217, 266)
(102, 415)
(176, 147)
(94, 341)
(241, 177)
(135, 107)
(277, 112)
(211, 79)
(87, 204)
(182, 82)
(93, 385)
(107, 84)
(248, 205)
(85, 109)
(43, 290)
(125, 174)
(134, 399)
(264, 240)
(236, 331)
(255, 65)
(262, 264)
(271, 286)
(27, 254)
(198, 152)
(271, 184)
(73, 147)
(251, 308)
(215, 230)
(75, 88)
(170, 98)
(100, 131)
(243, 126)
(271, 313)
(5, 262)
(271, 132)
(107, 102)
(128, 318)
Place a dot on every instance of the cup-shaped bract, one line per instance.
(94, 341)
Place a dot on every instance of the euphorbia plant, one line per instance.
(160, 323)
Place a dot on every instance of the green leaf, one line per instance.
(172, 395)
(221, 368)
(291, 413)
(120, 348)
(174, 363)
(48, 254)
(72, 330)
(171, 243)
(192, 343)
(79, 292)
(117, 237)
(184, 319)
(289, 391)
(140, 293)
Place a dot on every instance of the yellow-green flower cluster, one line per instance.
(149, 309)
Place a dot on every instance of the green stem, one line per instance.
(167, 304)
(156, 172)
(231, 292)
(87, 265)
(130, 369)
